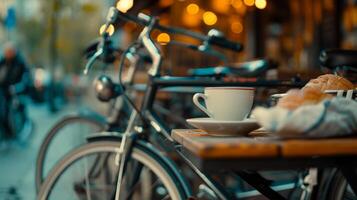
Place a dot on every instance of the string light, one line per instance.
(260, 4)
(192, 9)
(163, 38)
(236, 27)
(249, 2)
(124, 5)
(110, 30)
(209, 18)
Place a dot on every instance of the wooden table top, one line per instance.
(261, 145)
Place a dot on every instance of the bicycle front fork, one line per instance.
(123, 156)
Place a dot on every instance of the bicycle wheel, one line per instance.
(67, 134)
(89, 172)
(339, 189)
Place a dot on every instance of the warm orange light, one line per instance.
(192, 20)
(221, 6)
(110, 30)
(209, 18)
(124, 5)
(163, 38)
(236, 27)
(260, 4)
(237, 4)
(192, 9)
(249, 2)
(165, 3)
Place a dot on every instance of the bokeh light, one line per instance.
(249, 2)
(260, 4)
(209, 18)
(124, 5)
(221, 6)
(192, 20)
(236, 27)
(110, 30)
(237, 4)
(163, 38)
(165, 3)
(192, 9)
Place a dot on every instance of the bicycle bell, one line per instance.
(105, 89)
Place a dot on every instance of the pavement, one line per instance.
(17, 161)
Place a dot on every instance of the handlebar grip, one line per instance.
(222, 42)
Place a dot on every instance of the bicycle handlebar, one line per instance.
(144, 20)
(222, 42)
(215, 40)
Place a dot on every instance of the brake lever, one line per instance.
(112, 15)
(92, 60)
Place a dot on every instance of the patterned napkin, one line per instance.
(335, 117)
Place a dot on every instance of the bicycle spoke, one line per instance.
(87, 179)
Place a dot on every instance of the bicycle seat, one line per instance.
(334, 58)
(246, 69)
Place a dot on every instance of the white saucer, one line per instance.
(224, 128)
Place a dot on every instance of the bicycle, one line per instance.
(90, 122)
(135, 138)
(19, 124)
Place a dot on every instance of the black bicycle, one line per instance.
(75, 128)
(113, 164)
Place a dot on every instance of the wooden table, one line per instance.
(206, 150)
(262, 151)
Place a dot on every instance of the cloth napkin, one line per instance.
(335, 117)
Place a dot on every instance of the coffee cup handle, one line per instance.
(199, 105)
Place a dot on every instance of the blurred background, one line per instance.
(52, 35)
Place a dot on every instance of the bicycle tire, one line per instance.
(41, 156)
(141, 153)
(338, 188)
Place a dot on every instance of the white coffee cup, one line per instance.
(226, 103)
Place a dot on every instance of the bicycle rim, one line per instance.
(339, 189)
(78, 127)
(96, 175)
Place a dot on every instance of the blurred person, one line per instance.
(14, 76)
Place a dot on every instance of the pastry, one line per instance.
(296, 98)
(330, 82)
